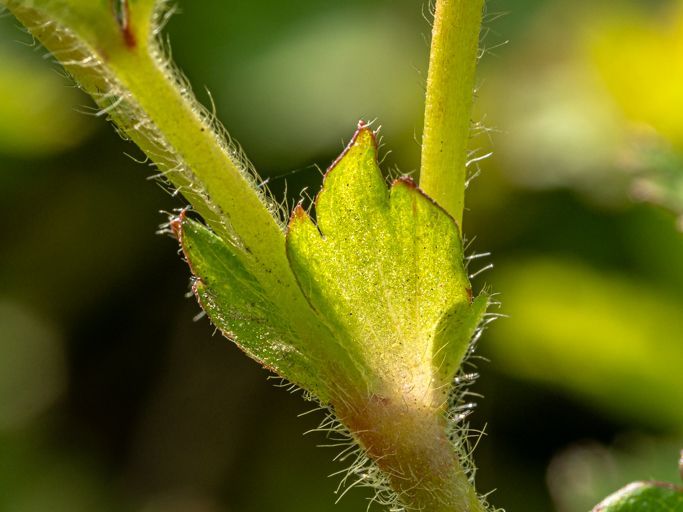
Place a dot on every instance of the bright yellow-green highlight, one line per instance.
(385, 268)
(642, 65)
(625, 337)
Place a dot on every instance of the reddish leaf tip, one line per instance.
(363, 130)
(299, 214)
(405, 180)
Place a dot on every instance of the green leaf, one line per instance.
(113, 50)
(387, 284)
(384, 269)
(644, 497)
(253, 317)
(384, 276)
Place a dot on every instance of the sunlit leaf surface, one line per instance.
(384, 268)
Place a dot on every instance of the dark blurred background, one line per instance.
(112, 398)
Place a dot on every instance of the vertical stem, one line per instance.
(448, 105)
(410, 445)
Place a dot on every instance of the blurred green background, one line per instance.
(112, 398)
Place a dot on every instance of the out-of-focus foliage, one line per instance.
(326, 57)
(619, 346)
(593, 103)
(584, 474)
(561, 128)
(317, 74)
(661, 180)
(637, 53)
(38, 108)
(130, 396)
(640, 62)
(34, 478)
(29, 349)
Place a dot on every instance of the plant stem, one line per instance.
(448, 104)
(135, 85)
(409, 444)
(124, 69)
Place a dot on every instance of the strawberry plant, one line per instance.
(364, 301)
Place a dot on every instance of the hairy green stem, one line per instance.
(115, 55)
(118, 60)
(448, 105)
(112, 49)
(410, 445)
